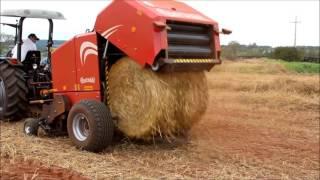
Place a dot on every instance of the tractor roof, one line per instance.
(32, 13)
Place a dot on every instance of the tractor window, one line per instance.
(40, 27)
(7, 35)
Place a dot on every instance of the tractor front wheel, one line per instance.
(90, 125)
(31, 127)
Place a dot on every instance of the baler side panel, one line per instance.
(134, 31)
(75, 71)
(64, 67)
(216, 42)
(87, 63)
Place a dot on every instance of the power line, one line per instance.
(295, 30)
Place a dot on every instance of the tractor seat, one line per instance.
(32, 57)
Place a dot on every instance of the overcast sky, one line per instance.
(261, 22)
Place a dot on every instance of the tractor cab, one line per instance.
(30, 78)
(32, 57)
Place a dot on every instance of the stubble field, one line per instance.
(262, 122)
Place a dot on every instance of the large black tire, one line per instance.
(90, 125)
(13, 92)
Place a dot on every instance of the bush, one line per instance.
(288, 54)
(231, 50)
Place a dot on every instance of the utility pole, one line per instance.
(295, 30)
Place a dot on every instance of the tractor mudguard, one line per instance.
(11, 62)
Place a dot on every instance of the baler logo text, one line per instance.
(86, 80)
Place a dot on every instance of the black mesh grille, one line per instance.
(189, 40)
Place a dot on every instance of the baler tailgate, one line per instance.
(190, 47)
(189, 41)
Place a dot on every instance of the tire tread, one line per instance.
(16, 90)
(103, 129)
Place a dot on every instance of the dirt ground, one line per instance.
(19, 169)
(262, 123)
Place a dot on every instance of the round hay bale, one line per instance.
(149, 104)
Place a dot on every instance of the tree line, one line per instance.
(235, 50)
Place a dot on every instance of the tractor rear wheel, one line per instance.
(13, 92)
(90, 125)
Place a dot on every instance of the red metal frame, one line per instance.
(138, 28)
(135, 20)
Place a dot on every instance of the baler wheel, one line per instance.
(31, 127)
(155, 67)
(90, 125)
(13, 92)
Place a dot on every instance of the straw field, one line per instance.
(262, 121)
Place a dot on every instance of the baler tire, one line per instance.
(155, 67)
(13, 93)
(90, 125)
(31, 127)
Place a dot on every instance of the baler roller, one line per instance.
(188, 28)
(185, 51)
(188, 39)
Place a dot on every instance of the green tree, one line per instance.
(6, 43)
(288, 54)
(231, 51)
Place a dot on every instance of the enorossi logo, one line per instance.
(87, 80)
(86, 49)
